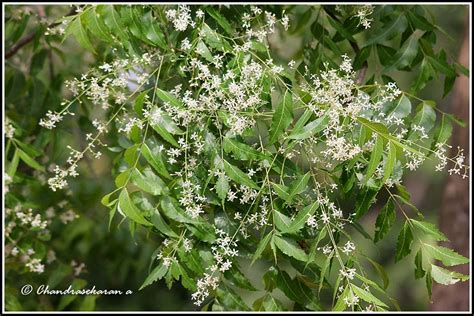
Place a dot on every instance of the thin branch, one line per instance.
(27, 39)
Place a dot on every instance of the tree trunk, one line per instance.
(454, 214)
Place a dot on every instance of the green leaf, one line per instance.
(399, 108)
(75, 28)
(447, 256)
(381, 272)
(290, 248)
(214, 40)
(113, 22)
(367, 296)
(429, 229)
(282, 222)
(425, 117)
(237, 278)
(261, 246)
(407, 53)
(95, 25)
(222, 187)
(362, 57)
(282, 191)
(202, 50)
(130, 210)
(221, 20)
(148, 182)
(341, 304)
(301, 218)
(161, 225)
(390, 162)
(425, 75)
(155, 159)
(238, 175)
(310, 129)
(29, 161)
(404, 241)
(385, 220)
(429, 283)
(172, 211)
(282, 117)
(419, 21)
(267, 303)
(240, 150)
(442, 132)
(294, 289)
(446, 277)
(13, 165)
(160, 129)
(389, 30)
(299, 185)
(374, 158)
(441, 66)
(167, 97)
(157, 274)
(419, 272)
(364, 201)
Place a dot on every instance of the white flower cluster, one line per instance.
(223, 252)
(181, 17)
(9, 129)
(362, 13)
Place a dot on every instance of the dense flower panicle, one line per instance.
(225, 96)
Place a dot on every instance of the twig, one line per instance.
(27, 39)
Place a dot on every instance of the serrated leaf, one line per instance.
(282, 117)
(261, 247)
(425, 116)
(399, 108)
(299, 185)
(447, 256)
(222, 187)
(290, 248)
(282, 191)
(301, 217)
(367, 296)
(281, 221)
(76, 28)
(95, 25)
(407, 53)
(148, 182)
(385, 220)
(381, 272)
(341, 304)
(221, 20)
(167, 97)
(390, 162)
(155, 159)
(441, 66)
(404, 241)
(442, 132)
(310, 129)
(363, 204)
(28, 160)
(157, 274)
(446, 277)
(375, 157)
(202, 50)
(240, 150)
(425, 75)
(429, 229)
(419, 272)
(238, 175)
(130, 210)
(389, 30)
(161, 225)
(267, 303)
